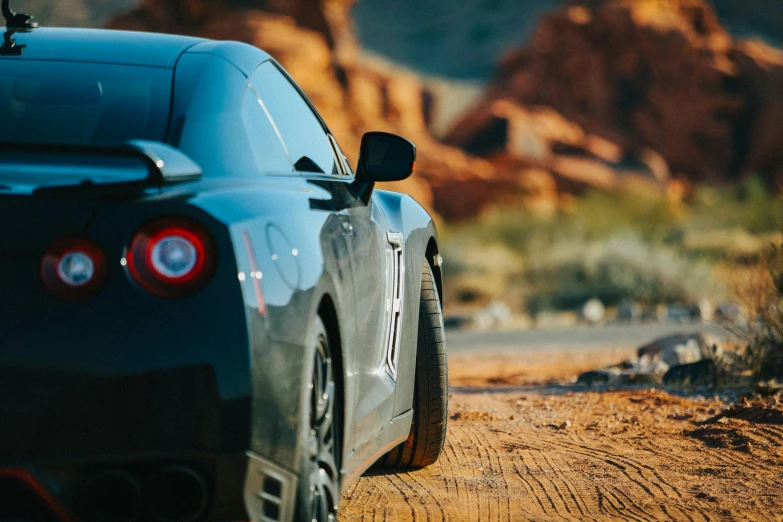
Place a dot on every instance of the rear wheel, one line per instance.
(318, 486)
(431, 387)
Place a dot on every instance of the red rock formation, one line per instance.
(648, 75)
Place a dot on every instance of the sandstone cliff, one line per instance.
(661, 80)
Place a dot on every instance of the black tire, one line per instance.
(318, 490)
(431, 387)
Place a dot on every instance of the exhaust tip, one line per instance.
(111, 496)
(177, 494)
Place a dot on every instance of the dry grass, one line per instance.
(763, 297)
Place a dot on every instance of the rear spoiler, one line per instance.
(165, 163)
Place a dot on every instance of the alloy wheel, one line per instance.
(323, 472)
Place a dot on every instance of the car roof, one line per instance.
(121, 47)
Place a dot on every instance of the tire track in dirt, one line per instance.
(549, 481)
(555, 480)
(624, 463)
(373, 500)
(421, 479)
(574, 493)
(397, 487)
(469, 482)
(504, 461)
(633, 506)
(546, 501)
(450, 469)
(639, 466)
(493, 473)
(542, 474)
(622, 509)
(414, 497)
(642, 479)
(773, 435)
(529, 487)
(487, 471)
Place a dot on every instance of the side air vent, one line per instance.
(271, 495)
(396, 265)
(269, 491)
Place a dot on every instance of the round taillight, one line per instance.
(73, 269)
(171, 257)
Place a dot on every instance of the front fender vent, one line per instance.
(396, 266)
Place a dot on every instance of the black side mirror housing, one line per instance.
(385, 157)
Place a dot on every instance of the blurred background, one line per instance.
(588, 161)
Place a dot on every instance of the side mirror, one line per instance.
(385, 157)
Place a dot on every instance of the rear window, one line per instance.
(82, 103)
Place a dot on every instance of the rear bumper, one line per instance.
(235, 487)
(58, 414)
(81, 434)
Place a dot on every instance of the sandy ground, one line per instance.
(525, 444)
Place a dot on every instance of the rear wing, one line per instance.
(132, 166)
(167, 164)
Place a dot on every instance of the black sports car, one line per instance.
(205, 314)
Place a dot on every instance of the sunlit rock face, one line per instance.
(465, 39)
(647, 75)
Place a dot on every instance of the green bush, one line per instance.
(624, 267)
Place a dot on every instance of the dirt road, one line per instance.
(522, 448)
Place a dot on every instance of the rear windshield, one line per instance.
(75, 103)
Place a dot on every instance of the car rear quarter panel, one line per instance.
(288, 257)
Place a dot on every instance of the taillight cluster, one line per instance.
(73, 269)
(171, 257)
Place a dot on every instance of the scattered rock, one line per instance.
(593, 311)
(700, 372)
(480, 416)
(654, 313)
(629, 311)
(493, 315)
(672, 360)
(731, 313)
(456, 322)
(594, 377)
(769, 388)
(565, 425)
(705, 310)
(681, 354)
(683, 348)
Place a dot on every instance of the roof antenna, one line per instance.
(17, 21)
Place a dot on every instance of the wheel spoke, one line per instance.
(321, 441)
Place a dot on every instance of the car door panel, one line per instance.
(371, 263)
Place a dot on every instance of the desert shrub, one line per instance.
(765, 350)
(624, 267)
(749, 206)
(616, 245)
